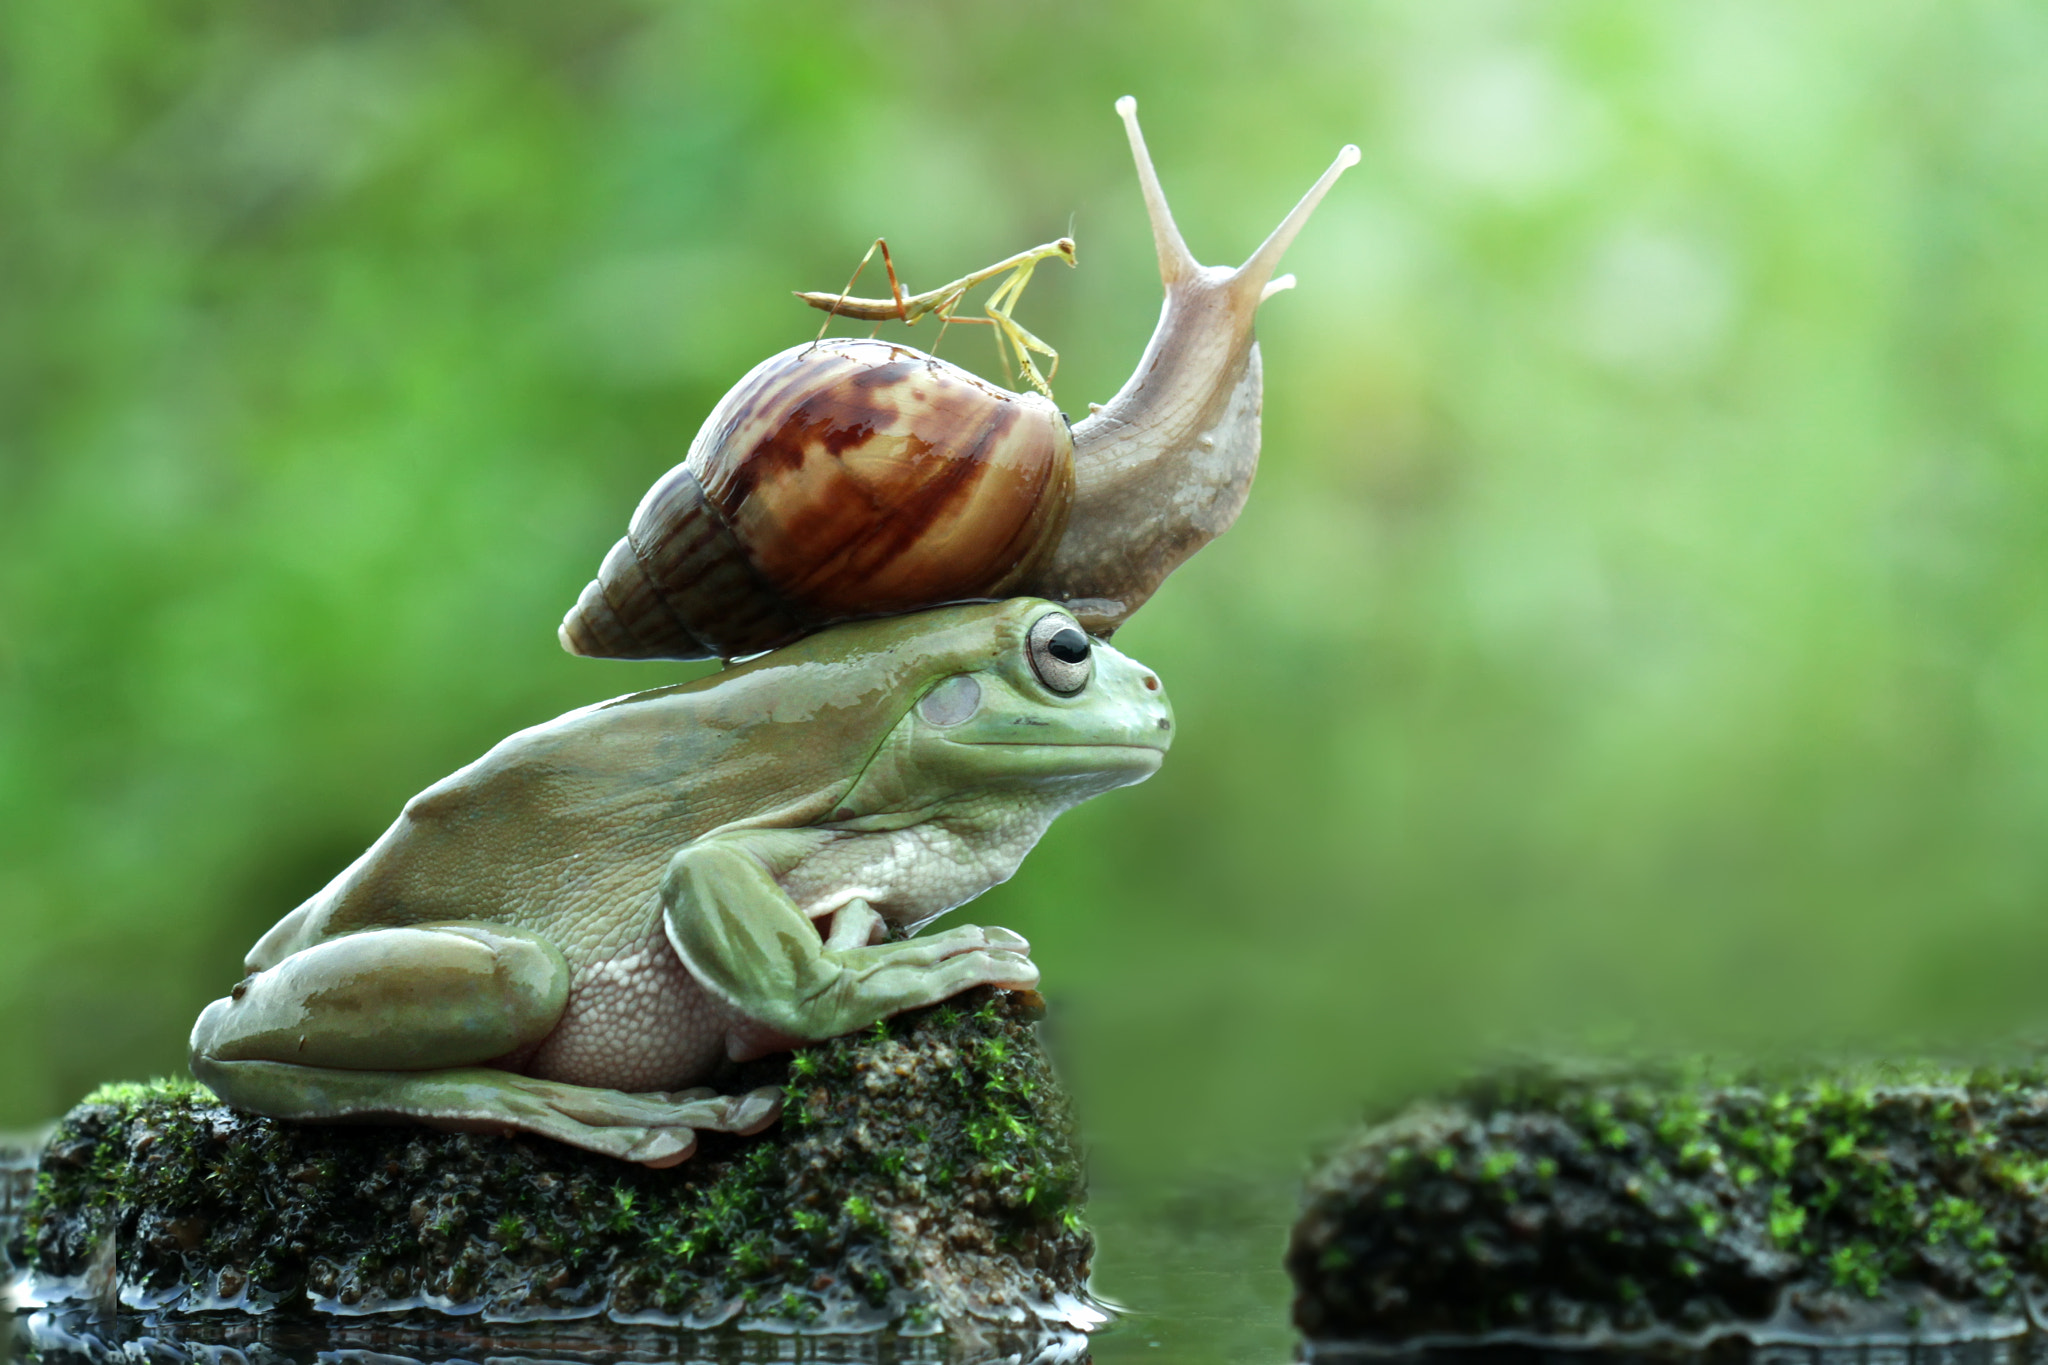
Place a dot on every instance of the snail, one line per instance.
(842, 479)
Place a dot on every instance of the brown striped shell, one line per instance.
(836, 480)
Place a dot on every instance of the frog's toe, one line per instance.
(661, 1148)
(757, 1110)
(695, 1092)
(987, 967)
(932, 950)
(743, 1114)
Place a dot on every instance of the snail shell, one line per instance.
(850, 479)
(836, 480)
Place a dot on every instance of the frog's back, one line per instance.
(567, 827)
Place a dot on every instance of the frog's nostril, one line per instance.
(1165, 724)
(1151, 683)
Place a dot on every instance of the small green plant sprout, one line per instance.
(622, 1208)
(1787, 1219)
(1017, 344)
(1858, 1265)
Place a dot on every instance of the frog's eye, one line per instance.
(1059, 653)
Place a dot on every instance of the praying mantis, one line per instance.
(941, 303)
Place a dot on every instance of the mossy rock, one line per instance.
(1868, 1202)
(925, 1174)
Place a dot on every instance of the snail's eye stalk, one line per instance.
(1164, 467)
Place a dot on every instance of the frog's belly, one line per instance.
(638, 1021)
(916, 874)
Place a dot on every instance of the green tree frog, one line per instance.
(568, 936)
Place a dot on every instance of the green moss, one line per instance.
(138, 1092)
(906, 1154)
(1681, 1195)
(1858, 1264)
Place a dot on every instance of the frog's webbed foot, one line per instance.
(392, 1025)
(743, 937)
(654, 1129)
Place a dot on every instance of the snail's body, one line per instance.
(1149, 478)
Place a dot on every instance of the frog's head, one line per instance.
(1041, 703)
(1011, 704)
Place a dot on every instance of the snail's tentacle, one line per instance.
(1176, 262)
(1251, 277)
(1164, 467)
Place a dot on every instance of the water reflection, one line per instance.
(2026, 1350)
(78, 1336)
(82, 1335)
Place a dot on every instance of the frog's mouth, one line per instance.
(1107, 746)
(1059, 744)
(1018, 733)
(1122, 761)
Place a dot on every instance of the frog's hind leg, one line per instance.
(401, 1024)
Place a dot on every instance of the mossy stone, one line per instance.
(924, 1174)
(1678, 1202)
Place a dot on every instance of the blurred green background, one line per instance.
(1639, 628)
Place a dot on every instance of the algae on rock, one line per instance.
(1886, 1200)
(924, 1172)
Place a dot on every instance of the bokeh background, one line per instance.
(1638, 632)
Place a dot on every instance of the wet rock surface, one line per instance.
(924, 1175)
(18, 1154)
(1902, 1202)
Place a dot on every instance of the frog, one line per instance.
(575, 933)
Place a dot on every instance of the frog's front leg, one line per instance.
(397, 1024)
(742, 936)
